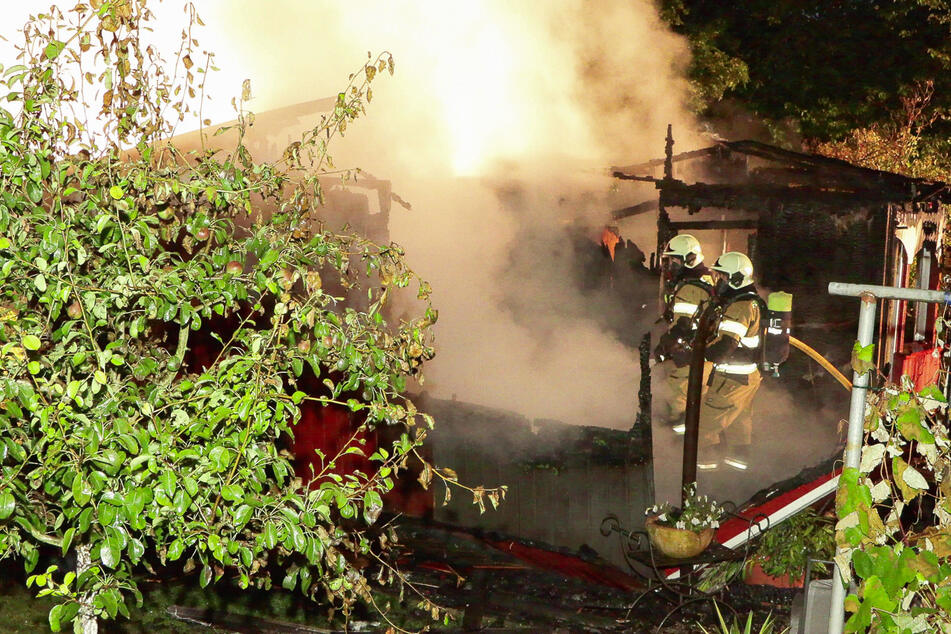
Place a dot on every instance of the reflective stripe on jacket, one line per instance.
(740, 321)
(688, 296)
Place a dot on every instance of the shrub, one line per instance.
(115, 247)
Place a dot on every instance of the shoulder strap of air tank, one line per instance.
(693, 281)
(750, 295)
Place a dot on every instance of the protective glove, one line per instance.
(681, 356)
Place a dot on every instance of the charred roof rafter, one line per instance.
(792, 178)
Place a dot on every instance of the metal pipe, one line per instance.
(924, 281)
(856, 434)
(855, 439)
(890, 292)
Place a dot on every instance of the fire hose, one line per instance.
(818, 358)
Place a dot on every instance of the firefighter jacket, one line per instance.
(687, 298)
(683, 307)
(736, 347)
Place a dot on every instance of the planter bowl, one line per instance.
(756, 576)
(677, 543)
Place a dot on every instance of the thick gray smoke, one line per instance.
(559, 90)
(497, 127)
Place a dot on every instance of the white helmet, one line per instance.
(685, 247)
(736, 267)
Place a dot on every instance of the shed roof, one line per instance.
(758, 174)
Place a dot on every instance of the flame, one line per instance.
(474, 92)
(610, 238)
(495, 78)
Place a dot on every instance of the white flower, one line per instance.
(695, 521)
(680, 524)
(662, 517)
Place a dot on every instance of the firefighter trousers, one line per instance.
(727, 408)
(677, 379)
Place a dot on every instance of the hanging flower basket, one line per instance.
(678, 543)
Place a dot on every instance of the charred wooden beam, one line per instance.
(635, 177)
(819, 171)
(747, 223)
(758, 197)
(827, 179)
(683, 156)
(640, 208)
(818, 162)
(641, 430)
(669, 154)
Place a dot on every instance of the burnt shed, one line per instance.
(809, 220)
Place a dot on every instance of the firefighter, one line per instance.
(734, 351)
(690, 285)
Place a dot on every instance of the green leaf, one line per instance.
(181, 501)
(242, 515)
(109, 552)
(175, 550)
(864, 567)
(69, 612)
(81, 491)
(297, 537)
(191, 486)
(30, 342)
(232, 492)
(290, 579)
(68, 539)
(54, 617)
(53, 49)
(116, 192)
(110, 602)
(7, 505)
(372, 506)
(862, 357)
(100, 377)
(270, 535)
(167, 482)
(34, 192)
(269, 258)
(205, 578)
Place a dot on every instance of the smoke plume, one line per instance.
(490, 98)
(497, 127)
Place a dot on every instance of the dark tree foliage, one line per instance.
(826, 66)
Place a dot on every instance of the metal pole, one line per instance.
(853, 445)
(856, 435)
(688, 473)
(890, 292)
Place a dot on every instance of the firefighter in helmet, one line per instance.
(689, 285)
(725, 415)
